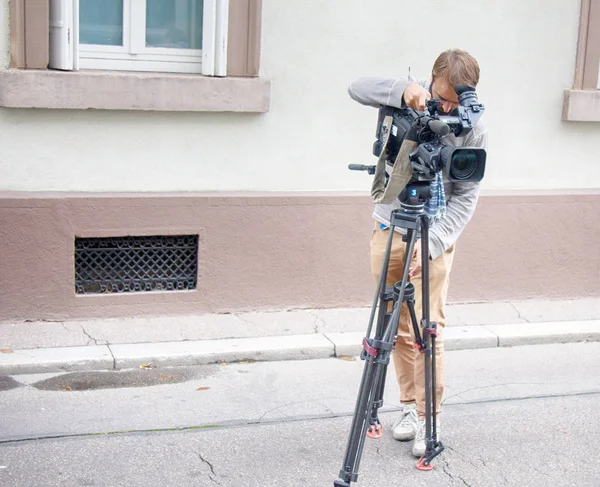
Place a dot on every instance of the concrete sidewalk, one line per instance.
(34, 347)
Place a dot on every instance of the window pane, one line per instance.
(101, 22)
(174, 23)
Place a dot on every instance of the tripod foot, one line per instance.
(423, 464)
(375, 431)
(339, 483)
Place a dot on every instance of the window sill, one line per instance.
(112, 90)
(581, 106)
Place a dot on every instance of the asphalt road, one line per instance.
(523, 416)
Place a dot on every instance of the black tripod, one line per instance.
(377, 349)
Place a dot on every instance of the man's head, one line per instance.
(452, 67)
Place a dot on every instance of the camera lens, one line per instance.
(463, 164)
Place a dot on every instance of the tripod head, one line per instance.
(416, 194)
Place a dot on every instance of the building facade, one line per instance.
(233, 186)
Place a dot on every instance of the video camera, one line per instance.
(427, 129)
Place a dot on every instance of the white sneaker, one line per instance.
(405, 427)
(419, 447)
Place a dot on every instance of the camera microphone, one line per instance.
(438, 127)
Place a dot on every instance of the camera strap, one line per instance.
(401, 172)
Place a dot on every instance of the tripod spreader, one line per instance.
(372, 347)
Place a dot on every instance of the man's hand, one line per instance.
(415, 96)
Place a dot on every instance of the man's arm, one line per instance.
(376, 92)
(459, 210)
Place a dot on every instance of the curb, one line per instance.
(42, 360)
(277, 348)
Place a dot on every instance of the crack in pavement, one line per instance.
(464, 481)
(95, 340)
(112, 354)
(446, 467)
(493, 385)
(542, 472)
(212, 475)
(318, 320)
(519, 313)
(487, 327)
(292, 404)
(468, 460)
(335, 353)
(240, 317)
(252, 327)
(43, 321)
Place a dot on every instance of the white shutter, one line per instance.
(64, 34)
(221, 38)
(209, 28)
(75, 35)
(214, 37)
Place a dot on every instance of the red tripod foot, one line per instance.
(422, 466)
(375, 431)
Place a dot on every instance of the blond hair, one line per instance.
(457, 67)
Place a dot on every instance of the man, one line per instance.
(452, 67)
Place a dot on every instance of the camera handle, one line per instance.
(377, 348)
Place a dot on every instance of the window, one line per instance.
(178, 36)
(588, 48)
(221, 42)
(582, 102)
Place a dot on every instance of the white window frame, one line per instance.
(133, 55)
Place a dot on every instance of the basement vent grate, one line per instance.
(136, 264)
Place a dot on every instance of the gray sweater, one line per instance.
(461, 198)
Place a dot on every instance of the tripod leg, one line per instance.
(409, 297)
(375, 429)
(432, 446)
(403, 291)
(376, 354)
(386, 297)
(381, 283)
(377, 357)
(391, 296)
(433, 391)
(349, 471)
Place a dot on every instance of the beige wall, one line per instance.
(311, 50)
(263, 252)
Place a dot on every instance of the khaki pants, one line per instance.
(408, 362)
